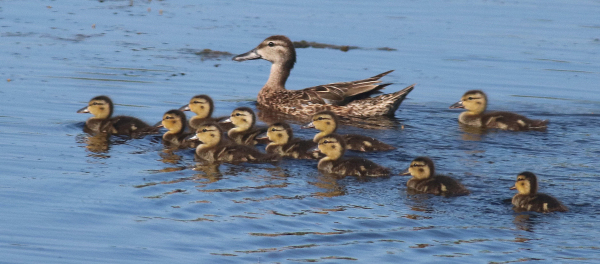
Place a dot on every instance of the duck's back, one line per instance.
(438, 185)
(511, 121)
(365, 144)
(357, 167)
(178, 140)
(249, 137)
(241, 153)
(540, 202)
(128, 125)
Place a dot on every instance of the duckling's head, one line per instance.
(422, 168)
(100, 106)
(280, 133)
(174, 120)
(202, 105)
(243, 118)
(474, 101)
(277, 49)
(325, 121)
(209, 134)
(333, 146)
(526, 183)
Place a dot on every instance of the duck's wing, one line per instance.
(511, 121)
(336, 93)
(360, 167)
(363, 143)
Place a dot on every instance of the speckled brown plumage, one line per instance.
(333, 147)
(425, 180)
(343, 98)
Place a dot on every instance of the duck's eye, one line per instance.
(273, 129)
(238, 114)
(168, 117)
(204, 130)
(271, 44)
(320, 118)
(470, 98)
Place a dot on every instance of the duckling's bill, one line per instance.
(185, 108)
(309, 125)
(456, 105)
(405, 172)
(84, 110)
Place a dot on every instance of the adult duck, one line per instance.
(344, 98)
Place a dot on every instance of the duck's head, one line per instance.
(174, 120)
(421, 168)
(243, 118)
(325, 121)
(474, 101)
(209, 134)
(277, 49)
(333, 146)
(100, 106)
(526, 183)
(202, 105)
(280, 133)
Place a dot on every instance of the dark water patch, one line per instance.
(311, 44)
(208, 54)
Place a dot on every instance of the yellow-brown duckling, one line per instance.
(475, 102)
(327, 122)
(528, 199)
(333, 146)
(245, 132)
(103, 122)
(203, 106)
(284, 144)
(425, 180)
(176, 136)
(213, 148)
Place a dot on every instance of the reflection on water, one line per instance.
(524, 222)
(331, 185)
(98, 144)
(379, 122)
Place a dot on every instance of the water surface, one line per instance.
(68, 197)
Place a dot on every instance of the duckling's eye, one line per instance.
(470, 98)
(238, 114)
(168, 117)
(204, 130)
(320, 118)
(271, 44)
(273, 129)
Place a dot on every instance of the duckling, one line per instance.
(244, 132)
(175, 121)
(327, 122)
(213, 149)
(425, 180)
(333, 146)
(475, 102)
(202, 105)
(284, 144)
(103, 122)
(343, 98)
(528, 199)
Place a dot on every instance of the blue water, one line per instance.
(68, 197)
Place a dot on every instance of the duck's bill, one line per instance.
(228, 120)
(513, 188)
(309, 125)
(193, 138)
(185, 108)
(159, 124)
(250, 55)
(83, 110)
(262, 136)
(314, 150)
(405, 172)
(458, 104)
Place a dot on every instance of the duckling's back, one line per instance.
(511, 121)
(241, 153)
(438, 185)
(539, 202)
(365, 144)
(358, 167)
(128, 125)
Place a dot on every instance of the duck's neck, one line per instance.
(242, 128)
(277, 78)
(321, 134)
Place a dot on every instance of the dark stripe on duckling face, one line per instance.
(202, 105)
(422, 168)
(175, 121)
